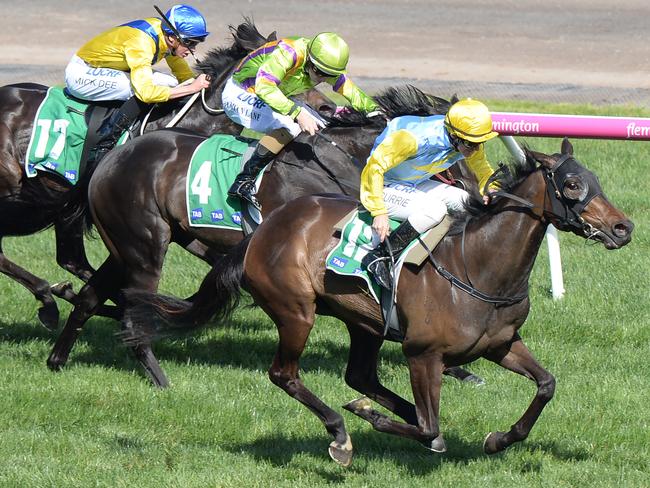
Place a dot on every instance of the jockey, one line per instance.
(117, 65)
(257, 95)
(396, 179)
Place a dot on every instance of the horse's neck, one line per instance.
(506, 244)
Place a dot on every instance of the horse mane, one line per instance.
(508, 179)
(246, 38)
(395, 101)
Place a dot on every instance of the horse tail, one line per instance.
(150, 316)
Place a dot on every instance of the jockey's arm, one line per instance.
(138, 58)
(478, 164)
(394, 149)
(357, 98)
(179, 67)
(269, 76)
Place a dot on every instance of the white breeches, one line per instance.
(425, 204)
(96, 84)
(252, 112)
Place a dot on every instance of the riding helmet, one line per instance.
(188, 21)
(470, 120)
(329, 53)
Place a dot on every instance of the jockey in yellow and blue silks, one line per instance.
(396, 179)
(118, 65)
(257, 95)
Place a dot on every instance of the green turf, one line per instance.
(222, 422)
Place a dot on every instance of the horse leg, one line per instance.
(426, 379)
(70, 250)
(361, 374)
(106, 279)
(48, 314)
(463, 375)
(516, 357)
(293, 333)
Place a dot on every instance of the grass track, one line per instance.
(222, 423)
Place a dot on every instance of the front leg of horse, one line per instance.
(48, 314)
(516, 357)
(70, 250)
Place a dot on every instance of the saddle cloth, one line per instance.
(213, 168)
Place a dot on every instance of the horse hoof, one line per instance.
(436, 445)
(341, 453)
(494, 443)
(54, 365)
(48, 316)
(356, 406)
(474, 380)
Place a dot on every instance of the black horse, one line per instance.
(137, 198)
(28, 205)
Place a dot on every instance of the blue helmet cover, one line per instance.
(188, 21)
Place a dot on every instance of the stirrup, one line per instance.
(245, 191)
(379, 268)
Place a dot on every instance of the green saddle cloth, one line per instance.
(213, 168)
(58, 136)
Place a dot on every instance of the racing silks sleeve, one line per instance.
(139, 51)
(357, 98)
(269, 76)
(394, 149)
(180, 69)
(479, 165)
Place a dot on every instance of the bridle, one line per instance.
(566, 206)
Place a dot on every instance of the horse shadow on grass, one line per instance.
(372, 447)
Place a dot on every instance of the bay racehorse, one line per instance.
(28, 205)
(137, 198)
(457, 307)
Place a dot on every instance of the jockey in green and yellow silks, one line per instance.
(258, 93)
(396, 179)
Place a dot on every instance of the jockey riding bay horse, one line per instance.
(138, 200)
(467, 301)
(28, 205)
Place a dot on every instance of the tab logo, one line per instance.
(217, 215)
(197, 213)
(71, 175)
(236, 218)
(338, 262)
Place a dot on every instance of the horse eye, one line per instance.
(575, 189)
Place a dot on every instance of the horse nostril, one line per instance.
(623, 229)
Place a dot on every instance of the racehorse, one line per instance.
(137, 198)
(468, 301)
(28, 205)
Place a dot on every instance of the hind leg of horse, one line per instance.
(106, 279)
(361, 374)
(516, 357)
(294, 330)
(426, 379)
(463, 375)
(48, 314)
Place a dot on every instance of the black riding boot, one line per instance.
(244, 185)
(113, 127)
(378, 261)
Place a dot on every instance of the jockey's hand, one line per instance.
(380, 226)
(307, 122)
(200, 82)
(487, 198)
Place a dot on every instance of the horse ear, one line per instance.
(567, 147)
(273, 36)
(543, 159)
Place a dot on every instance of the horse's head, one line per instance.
(575, 201)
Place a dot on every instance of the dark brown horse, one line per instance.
(446, 321)
(28, 205)
(137, 197)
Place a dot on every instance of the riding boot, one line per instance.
(378, 262)
(244, 185)
(114, 126)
